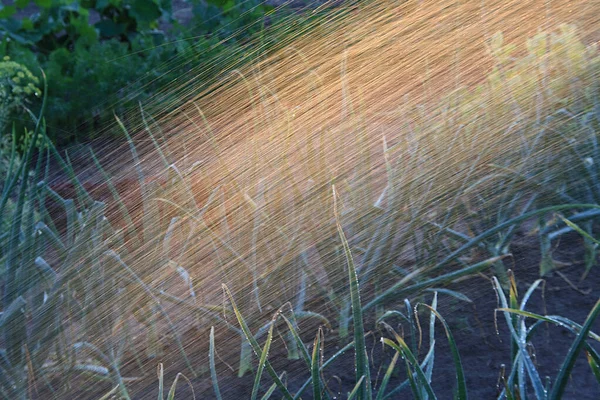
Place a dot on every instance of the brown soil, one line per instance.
(483, 350)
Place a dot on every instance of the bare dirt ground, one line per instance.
(483, 349)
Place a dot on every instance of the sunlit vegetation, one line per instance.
(323, 200)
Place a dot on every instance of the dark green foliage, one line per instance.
(65, 23)
(105, 56)
(230, 19)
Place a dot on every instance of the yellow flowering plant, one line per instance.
(17, 86)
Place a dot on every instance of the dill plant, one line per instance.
(17, 87)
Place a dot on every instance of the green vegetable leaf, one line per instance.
(108, 28)
(7, 11)
(44, 3)
(145, 12)
(27, 24)
(21, 3)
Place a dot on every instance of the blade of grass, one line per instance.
(171, 395)
(577, 229)
(263, 359)
(269, 392)
(157, 147)
(393, 290)
(360, 348)
(300, 344)
(461, 383)
(411, 381)
(402, 347)
(429, 367)
(567, 366)
(110, 394)
(112, 255)
(314, 370)
(254, 344)
(82, 194)
(325, 365)
(14, 333)
(161, 381)
(115, 194)
(593, 361)
(397, 291)
(522, 362)
(554, 319)
(426, 361)
(211, 360)
(387, 376)
(452, 293)
(513, 302)
(357, 388)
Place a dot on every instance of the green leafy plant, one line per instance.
(230, 20)
(116, 51)
(65, 23)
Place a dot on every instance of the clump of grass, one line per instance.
(398, 203)
(69, 299)
(419, 380)
(448, 193)
(524, 374)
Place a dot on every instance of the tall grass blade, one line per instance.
(522, 364)
(263, 359)
(299, 343)
(315, 364)
(82, 195)
(157, 147)
(429, 366)
(594, 363)
(269, 392)
(387, 376)
(394, 289)
(245, 356)
(401, 347)
(513, 304)
(331, 359)
(211, 360)
(357, 388)
(453, 293)
(15, 332)
(111, 187)
(255, 345)
(461, 383)
(412, 382)
(171, 395)
(567, 366)
(399, 290)
(161, 381)
(111, 393)
(145, 289)
(360, 349)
